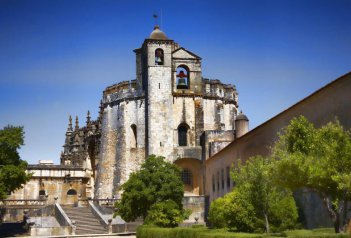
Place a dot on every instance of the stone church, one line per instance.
(170, 109)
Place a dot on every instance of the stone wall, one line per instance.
(53, 182)
(106, 168)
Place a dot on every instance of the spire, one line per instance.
(69, 128)
(88, 118)
(77, 124)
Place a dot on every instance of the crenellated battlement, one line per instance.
(125, 90)
(215, 88)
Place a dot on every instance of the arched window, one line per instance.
(133, 136)
(187, 177)
(183, 80)
(42, 193)
(159, 57)
(183, 134)
(71, 192)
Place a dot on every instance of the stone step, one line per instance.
(81, 211)
(87, 226)
(91, 230)
(86, 222)
(82, 218)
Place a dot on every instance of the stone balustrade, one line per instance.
(23, 203)
(110, 202)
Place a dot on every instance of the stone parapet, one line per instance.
(57, 171)
(124, 95)
(193, 152)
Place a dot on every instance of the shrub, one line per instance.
(166, 214)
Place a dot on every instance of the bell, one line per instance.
(158, 60)
(182, 83)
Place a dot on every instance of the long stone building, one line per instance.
(326, 104)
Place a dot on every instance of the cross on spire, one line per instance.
(156, 19)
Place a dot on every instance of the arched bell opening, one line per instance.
(183, 77)
(191, 175)
(159, 57)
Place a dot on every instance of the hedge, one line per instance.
(203, 232)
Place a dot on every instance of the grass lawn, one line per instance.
(203, 232)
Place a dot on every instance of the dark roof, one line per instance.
(157, 34)
(241, 116)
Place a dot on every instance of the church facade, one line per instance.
(168, 110)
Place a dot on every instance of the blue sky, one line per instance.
(57, 56)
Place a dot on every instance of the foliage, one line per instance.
(156, 181)
(320, 232)
(218, 211)
(166, 214)
(318, 159)
(181, 232)
(12, 168)
(255, 204)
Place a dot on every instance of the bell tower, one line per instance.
(154, 76)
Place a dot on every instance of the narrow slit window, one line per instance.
(134, 141)
(213, 183)
(228, 177)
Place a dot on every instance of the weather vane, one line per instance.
(156, 19)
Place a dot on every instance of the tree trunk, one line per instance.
(333, 213)
(344, 211)
(337, 224)
(266, 223)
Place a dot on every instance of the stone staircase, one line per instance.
(86, 223)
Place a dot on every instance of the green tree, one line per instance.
(256, 203)
(233, 211)
(318, 159)
(12, 168)
(155, 186)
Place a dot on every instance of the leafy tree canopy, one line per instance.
(256, 203)
(157, 182)
(12, 168)
(318, 159)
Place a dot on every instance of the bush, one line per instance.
(233, 211)
(217, 213)
(166, 214)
